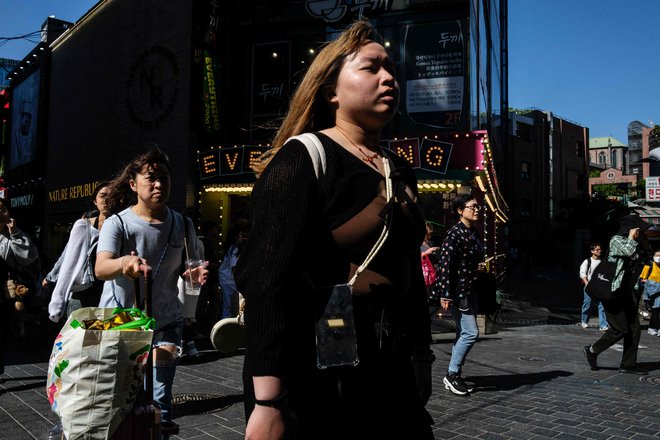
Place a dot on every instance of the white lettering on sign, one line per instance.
(653, 188)
(435, 94)
(19, 201)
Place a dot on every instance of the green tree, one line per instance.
(608, 190)
(654, 137)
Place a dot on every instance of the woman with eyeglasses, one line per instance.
(461, 255)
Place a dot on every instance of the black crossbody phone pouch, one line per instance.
(336, 344)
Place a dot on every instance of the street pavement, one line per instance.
(531, 379)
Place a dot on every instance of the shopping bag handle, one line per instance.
(141, 321)
(137, 301)
(146, 323)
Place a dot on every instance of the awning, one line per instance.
(649, 215)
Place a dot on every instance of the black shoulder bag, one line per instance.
(600, 284)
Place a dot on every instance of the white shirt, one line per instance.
(584, 273)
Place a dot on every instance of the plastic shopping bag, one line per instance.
(94, 376)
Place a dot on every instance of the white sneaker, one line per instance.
(584, 324)
(653, 332)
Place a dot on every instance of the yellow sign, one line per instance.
(72, 192)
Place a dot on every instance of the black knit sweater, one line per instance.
(292, 251)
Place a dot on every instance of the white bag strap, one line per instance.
(316, 152)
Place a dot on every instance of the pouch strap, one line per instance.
(383, 235)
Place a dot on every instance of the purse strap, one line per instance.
(383, 235)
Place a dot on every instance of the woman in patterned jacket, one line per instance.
(460, 257)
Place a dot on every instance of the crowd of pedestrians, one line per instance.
(338, 336)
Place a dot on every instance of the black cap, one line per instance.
(632, 221)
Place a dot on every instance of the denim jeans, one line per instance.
(467, 333)
(586, 305)
(229, 301)
(164, 370)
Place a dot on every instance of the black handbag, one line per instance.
(600, 284)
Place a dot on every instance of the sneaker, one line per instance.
(591, 357)
(584, 324)
(633, 370)
(189, 349)
(653, 332)
(604, 329)
(455, 384)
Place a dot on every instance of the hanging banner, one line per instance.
(25, 113)
(434, 74)
(210, 94)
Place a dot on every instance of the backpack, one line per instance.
(85, 278)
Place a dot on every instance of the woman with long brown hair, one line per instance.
(355, 228)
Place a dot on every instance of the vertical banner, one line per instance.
(24, 121)
(210, 85)
(435, 74)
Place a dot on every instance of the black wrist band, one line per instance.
(275, 402)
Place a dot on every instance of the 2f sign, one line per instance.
(653, 188)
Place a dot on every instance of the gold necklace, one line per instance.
(370, 158)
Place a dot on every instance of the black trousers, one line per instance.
(623, 320)
(654, 323)
(6, 308)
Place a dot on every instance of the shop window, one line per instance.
(524, 131)
(525, 171)
(525, 208)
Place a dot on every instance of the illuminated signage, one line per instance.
(431, 155)
(465, 152)
(228, 161)
(210, 97)
(434, 155)
(72, 192)
(407, 149)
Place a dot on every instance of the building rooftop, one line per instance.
(604, 142)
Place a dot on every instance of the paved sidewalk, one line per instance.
(531, 378)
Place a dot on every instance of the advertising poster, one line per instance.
(24, 121)
(435, 74)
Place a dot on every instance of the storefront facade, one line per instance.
(209, 81)
(450, 58)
